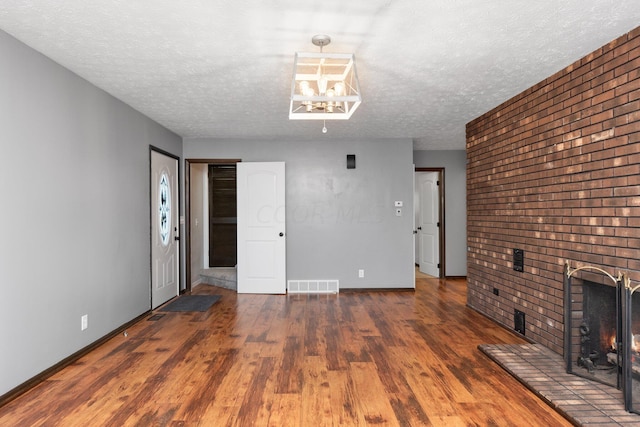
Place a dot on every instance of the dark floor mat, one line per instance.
(192, 303)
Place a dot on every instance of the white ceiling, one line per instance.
(222, 69)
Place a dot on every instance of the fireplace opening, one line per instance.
(602, 330)
(595, 339)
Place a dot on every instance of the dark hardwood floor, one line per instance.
(357, 358)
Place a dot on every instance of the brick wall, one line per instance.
(555, 171)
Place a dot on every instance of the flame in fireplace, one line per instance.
(635, 343)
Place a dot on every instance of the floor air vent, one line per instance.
(313, 286)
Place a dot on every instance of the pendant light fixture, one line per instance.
(325, 85)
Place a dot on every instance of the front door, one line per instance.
(428, 223)
(261, 228)
(164, 228)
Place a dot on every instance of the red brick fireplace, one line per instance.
(553, 174)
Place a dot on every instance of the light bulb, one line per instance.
(330, 94)
(322, 85)
(339, 88)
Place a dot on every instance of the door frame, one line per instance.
(187, 205)
(441, 217)
(153, 148)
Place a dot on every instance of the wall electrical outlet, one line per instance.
(361, 273)
(84, 322)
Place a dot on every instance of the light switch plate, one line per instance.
(398, 203)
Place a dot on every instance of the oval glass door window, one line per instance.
(164, 209)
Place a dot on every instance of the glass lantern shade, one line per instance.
(324, 87)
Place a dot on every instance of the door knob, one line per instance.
(419, 228)
(281, 234)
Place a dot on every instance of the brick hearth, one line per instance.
(583, 402)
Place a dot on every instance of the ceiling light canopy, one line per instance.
(325, 85)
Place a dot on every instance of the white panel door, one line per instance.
(164, 228)
(261, 228)
(428, 218)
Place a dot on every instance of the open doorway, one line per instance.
(429, 221)
(221, 212)
(210, 233)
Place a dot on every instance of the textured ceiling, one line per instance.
(222, 69)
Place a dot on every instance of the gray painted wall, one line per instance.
(74, 170)
(338, 220)
(455, 164)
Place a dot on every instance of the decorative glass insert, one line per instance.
(164, 209)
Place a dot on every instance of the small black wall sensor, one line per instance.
(351, 161)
